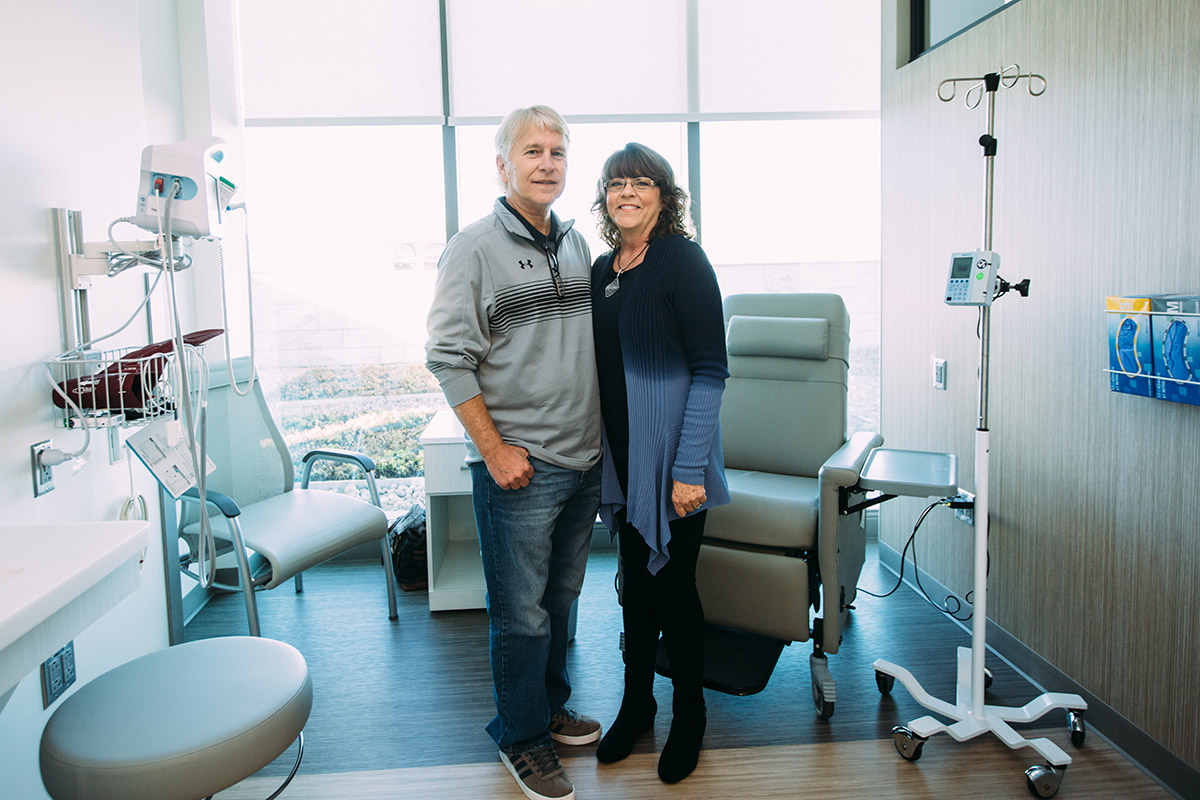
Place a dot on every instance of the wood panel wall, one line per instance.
(1095, 538)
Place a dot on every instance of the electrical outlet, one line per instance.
(68, 664)
(967, 512)
(939, 374)
(43, 475)
(58, 672)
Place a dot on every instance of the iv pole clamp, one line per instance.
(971, 717)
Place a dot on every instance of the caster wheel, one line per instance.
(908, 744)
(1043, 780)
(885, 682)
(988, 677)
(824, 707)
(1076, 727)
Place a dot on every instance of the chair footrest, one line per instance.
(735, 662)
(229, 579)
(189, 547)
(232, 577)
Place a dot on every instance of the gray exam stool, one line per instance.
(179, 724)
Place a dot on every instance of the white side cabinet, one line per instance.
(451, 540)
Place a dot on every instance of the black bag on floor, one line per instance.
(407, 538)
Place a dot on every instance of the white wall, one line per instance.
(87, 85)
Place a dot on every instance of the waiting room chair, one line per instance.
(274, 529)
(181, 723)
(780, 564)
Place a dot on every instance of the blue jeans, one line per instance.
(534, 542)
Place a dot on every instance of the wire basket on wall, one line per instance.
(125, 386)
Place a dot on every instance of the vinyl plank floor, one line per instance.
(865, 770)
(399, 705)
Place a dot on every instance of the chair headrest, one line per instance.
(780, 337)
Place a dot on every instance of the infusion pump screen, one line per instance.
(961, 267)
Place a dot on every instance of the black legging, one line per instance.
(668, 603)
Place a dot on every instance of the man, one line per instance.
(510, 342)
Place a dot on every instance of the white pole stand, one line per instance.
(971, 717)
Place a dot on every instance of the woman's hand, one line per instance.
(686, 498)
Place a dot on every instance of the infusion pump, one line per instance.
(199, 169)
(972, 280)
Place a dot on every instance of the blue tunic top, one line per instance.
(672, 354)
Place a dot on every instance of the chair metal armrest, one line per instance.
(224, 503)
(836, 533)
(344, 456)
(361, 460)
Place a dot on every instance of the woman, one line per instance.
(660, 356)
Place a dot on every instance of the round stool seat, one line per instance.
(178, 724)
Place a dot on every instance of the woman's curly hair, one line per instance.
(638, 161)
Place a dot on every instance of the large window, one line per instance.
(347, 228)
(583, 57)
(317, 60)
(801, 216)
(788, 57)
(362, 157)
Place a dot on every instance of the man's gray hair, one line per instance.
(516, 123)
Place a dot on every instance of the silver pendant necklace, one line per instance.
(611, 288)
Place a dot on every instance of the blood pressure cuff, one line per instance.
(126, 384)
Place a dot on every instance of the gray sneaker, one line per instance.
(570, 727)
(539, 774)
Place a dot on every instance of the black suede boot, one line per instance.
(682, 750)
(631, 722)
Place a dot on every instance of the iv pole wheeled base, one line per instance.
(1042, 780)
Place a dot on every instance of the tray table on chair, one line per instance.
(903, 473)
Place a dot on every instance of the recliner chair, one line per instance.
(781, 549)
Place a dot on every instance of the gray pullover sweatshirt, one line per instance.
(497, 327)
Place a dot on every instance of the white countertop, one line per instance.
(57, 579)
(444, 428)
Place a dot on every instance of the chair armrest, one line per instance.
(224, 503)
(344, 456)
(844, 466)
(836, 533)
(361, 460)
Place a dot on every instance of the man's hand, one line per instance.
(686, 497)
(509, 466)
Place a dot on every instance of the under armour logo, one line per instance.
(526, 264)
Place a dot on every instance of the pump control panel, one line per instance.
(972, 279)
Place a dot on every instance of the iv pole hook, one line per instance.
(1009, 76)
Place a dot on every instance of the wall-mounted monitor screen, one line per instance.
(937, 21)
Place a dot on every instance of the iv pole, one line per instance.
(971, 716)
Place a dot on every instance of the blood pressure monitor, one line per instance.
(972, 279)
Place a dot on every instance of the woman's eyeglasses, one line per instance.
(639, 184)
